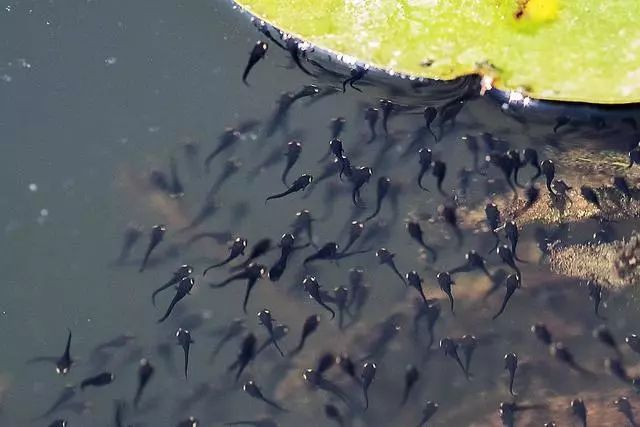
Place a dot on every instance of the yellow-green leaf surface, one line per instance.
(570, 50)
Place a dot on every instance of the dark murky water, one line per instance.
(95, 95)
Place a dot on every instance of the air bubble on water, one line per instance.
(23, 63)
(33, 187)
(111, 60)
(44, 213)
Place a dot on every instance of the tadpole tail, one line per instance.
(277, 346)
(464, 268)
(329, 309)
(502, 307)
(279, 195)
(145, 259)
(225, 282)
(375, 213)
(461, 365)
(186, 363)
(451, 302)
(168, 312)
(366, 398)
(160, 289)
(220, 264)
(495, 247)
(273, 404)
(209, 159)
(430, 250)
(420, 176)
(395, 270)
(405, 397)
(247, 293)
(298, 348)
(296, 60)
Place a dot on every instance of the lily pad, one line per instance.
(582, 51)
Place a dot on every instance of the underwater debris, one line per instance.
(614, 264)
(627, 260)
(578, 167)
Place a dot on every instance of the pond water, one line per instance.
(96, 95)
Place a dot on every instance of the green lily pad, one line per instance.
(565, 50)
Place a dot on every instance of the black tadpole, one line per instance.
(449, 215)
(415, 232)
(439, 170)
(337, 125)
(560, 352)
(266, 319)
(451, 350)
(298, 185)
(357, 74)
(579, 410)
(595, 294)
(236, 249)
(511, 364)
(542, 333)
(445, 282)
(411, 377)
(415, 281)
(590, 195)
(294, 148)
(530, 157)
(384, 183)
(429, 410)
(355, 231)
(184, 340)
(287, 247)
(604, 335)
(145, 372)
(424, 159)
(386, 257)
(312, 287)
(257, 53)
(245, 356)
(292, 47)
(254, 391)
(492, 215)
(549, 170)
(474, 261)
(182, 272)
(371, 116)
(157, 234)
(512, 283)
(366, 377)
(623, 406)
(182, 290)
(506, 256)
(311, 324)
(387, 108)
(359, 177)
(131, 236)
